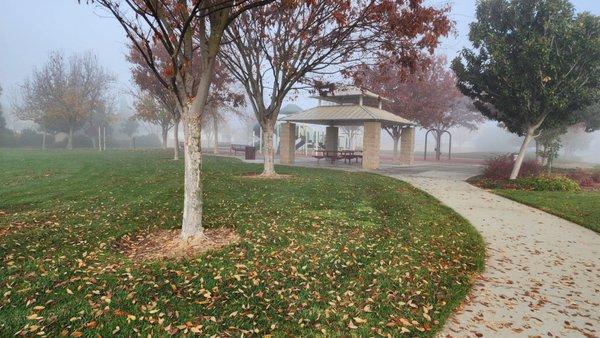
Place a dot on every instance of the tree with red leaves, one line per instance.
(426, 94)
(156, 103)
(190, 31)
(149, 109)
(276, 48)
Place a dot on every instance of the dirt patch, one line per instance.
(255, 176)
(167, 244)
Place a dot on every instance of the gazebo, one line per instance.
(350, 106)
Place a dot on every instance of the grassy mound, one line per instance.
(320, 253)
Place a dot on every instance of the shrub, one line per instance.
(582, 177)
(487, 183)
(79, 141)
(29, 138)
(596, 176)
(547, 183)
(500, 167)
(7, 138)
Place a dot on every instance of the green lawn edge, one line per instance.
(583, 207)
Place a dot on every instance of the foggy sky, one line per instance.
(30, 29)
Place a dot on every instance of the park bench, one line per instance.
(237, 147)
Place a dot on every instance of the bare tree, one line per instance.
(62, 95)
(276, 49)
(32, 107)
(351, 132)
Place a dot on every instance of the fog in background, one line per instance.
(30, 29)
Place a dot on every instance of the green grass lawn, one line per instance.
(324, 253)
(581, 207)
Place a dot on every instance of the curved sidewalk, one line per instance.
(542, 275)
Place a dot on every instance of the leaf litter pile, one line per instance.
(321, 253)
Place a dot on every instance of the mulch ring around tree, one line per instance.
(159, 244)
(260, 176)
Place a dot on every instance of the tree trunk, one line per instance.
(176, 138)
(70, 141)
(104, 138)
(191, 114)
(528, 137)
(396, 139)
(538, 158)
(268, 150)
(519, 161)
(99, 138)
(165, 137)
(44, 139)
(192, 202)
(438, 145)
(216, 135)
(544, 160)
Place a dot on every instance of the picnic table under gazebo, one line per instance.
(336, 155)
(349, 106)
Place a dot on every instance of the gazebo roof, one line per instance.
(347, 115)
(351, 94)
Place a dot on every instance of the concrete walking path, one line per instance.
(542, 275)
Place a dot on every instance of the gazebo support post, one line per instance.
(371, 145)
(287, 145)
(331, 138)
(407, 146)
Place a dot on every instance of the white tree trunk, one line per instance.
(519, 161)
(176, 138)
(44, 139)
(70, 141)
(268, 150)
(396, 139)
(104, 138)
(165, 137)
(191, 115)
(99, 138)
(528, 137)
(192, 202)
(216, 135)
